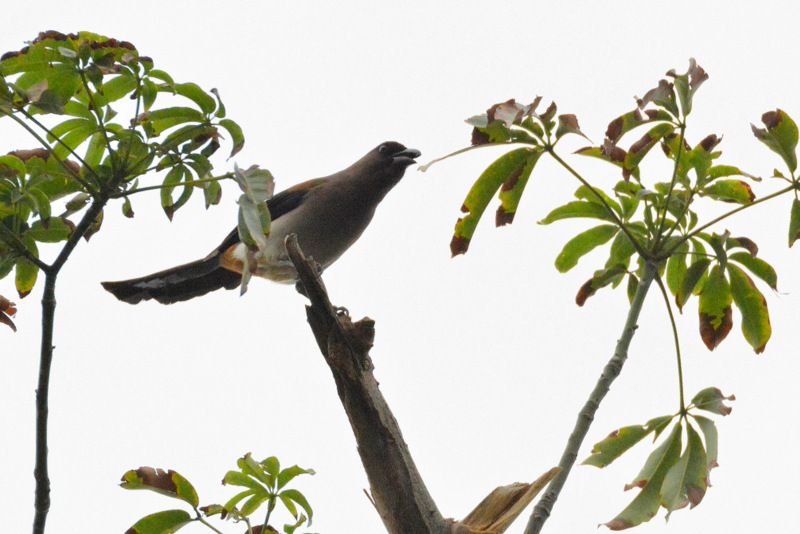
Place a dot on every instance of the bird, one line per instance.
(327, 214)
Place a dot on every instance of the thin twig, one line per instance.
(602, 200)
(675, 337)
(122, 194)
(19, 248)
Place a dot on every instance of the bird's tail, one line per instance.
(176, 284)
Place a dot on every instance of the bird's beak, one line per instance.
(406, 157)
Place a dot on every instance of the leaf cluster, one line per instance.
(674, 476)
(67, 92)
(650, 228)
(264, 482)
(643, 221)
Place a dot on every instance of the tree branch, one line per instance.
(397, 488)
(40, 471)
(611, 371)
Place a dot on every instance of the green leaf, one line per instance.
(289, 504)
(633, 286)
(711, 400)
(54, 231)
(659, 424)
(78, 109)
(676, 268)
(615, 444)
(507, 166)
(77, 203)
(237, 136)
(640, 148)
(13, 164)
(237, 478)
(736, 191)
(162, 119)
(694, 274)
(780, 136)
(627, 122)
(40, 202)
(578, 208)
(687, 480)
(167, 483)
(67, 126)
(26, 277)
(753, 307)
(273, 467)
(591, 194)
(127, 208)
(709, 430)
(723, 171)
(621, 250)
(300, 499)
(646, 504)
(611, 154)
(95, 150)
(511, 190)
(601, 278)
(231, 504)
(254, 502)
(149, 93)
(118, 87)
(582, 244)
(163, 76)
(198, 96)
(173, 178)
(718, 243)
(254, 218)
(254, 469)
(715, 309)
(196, 133)
(27, 272)
(220, 114)
(165, 522)
(794, 222)
(758, 267)
(289, 473)
(212, 193)
(72, 140)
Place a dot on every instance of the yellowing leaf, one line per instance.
(715, 309)
(753, 307)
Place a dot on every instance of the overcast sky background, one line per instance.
(485, 359)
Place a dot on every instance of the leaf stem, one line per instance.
(86, 185)
(672, 183)
(206, 523)
(677, 342)
(725, 216)
(602, 200)
(93, 108)
(611, 371)
(122, 194)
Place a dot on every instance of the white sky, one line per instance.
(484, 359)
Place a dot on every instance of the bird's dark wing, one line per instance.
(279, 205)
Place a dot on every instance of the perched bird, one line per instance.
(327, 214)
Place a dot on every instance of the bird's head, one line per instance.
(395, 155)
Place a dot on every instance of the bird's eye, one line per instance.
(383, 150)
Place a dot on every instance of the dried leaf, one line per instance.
(7, 310)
